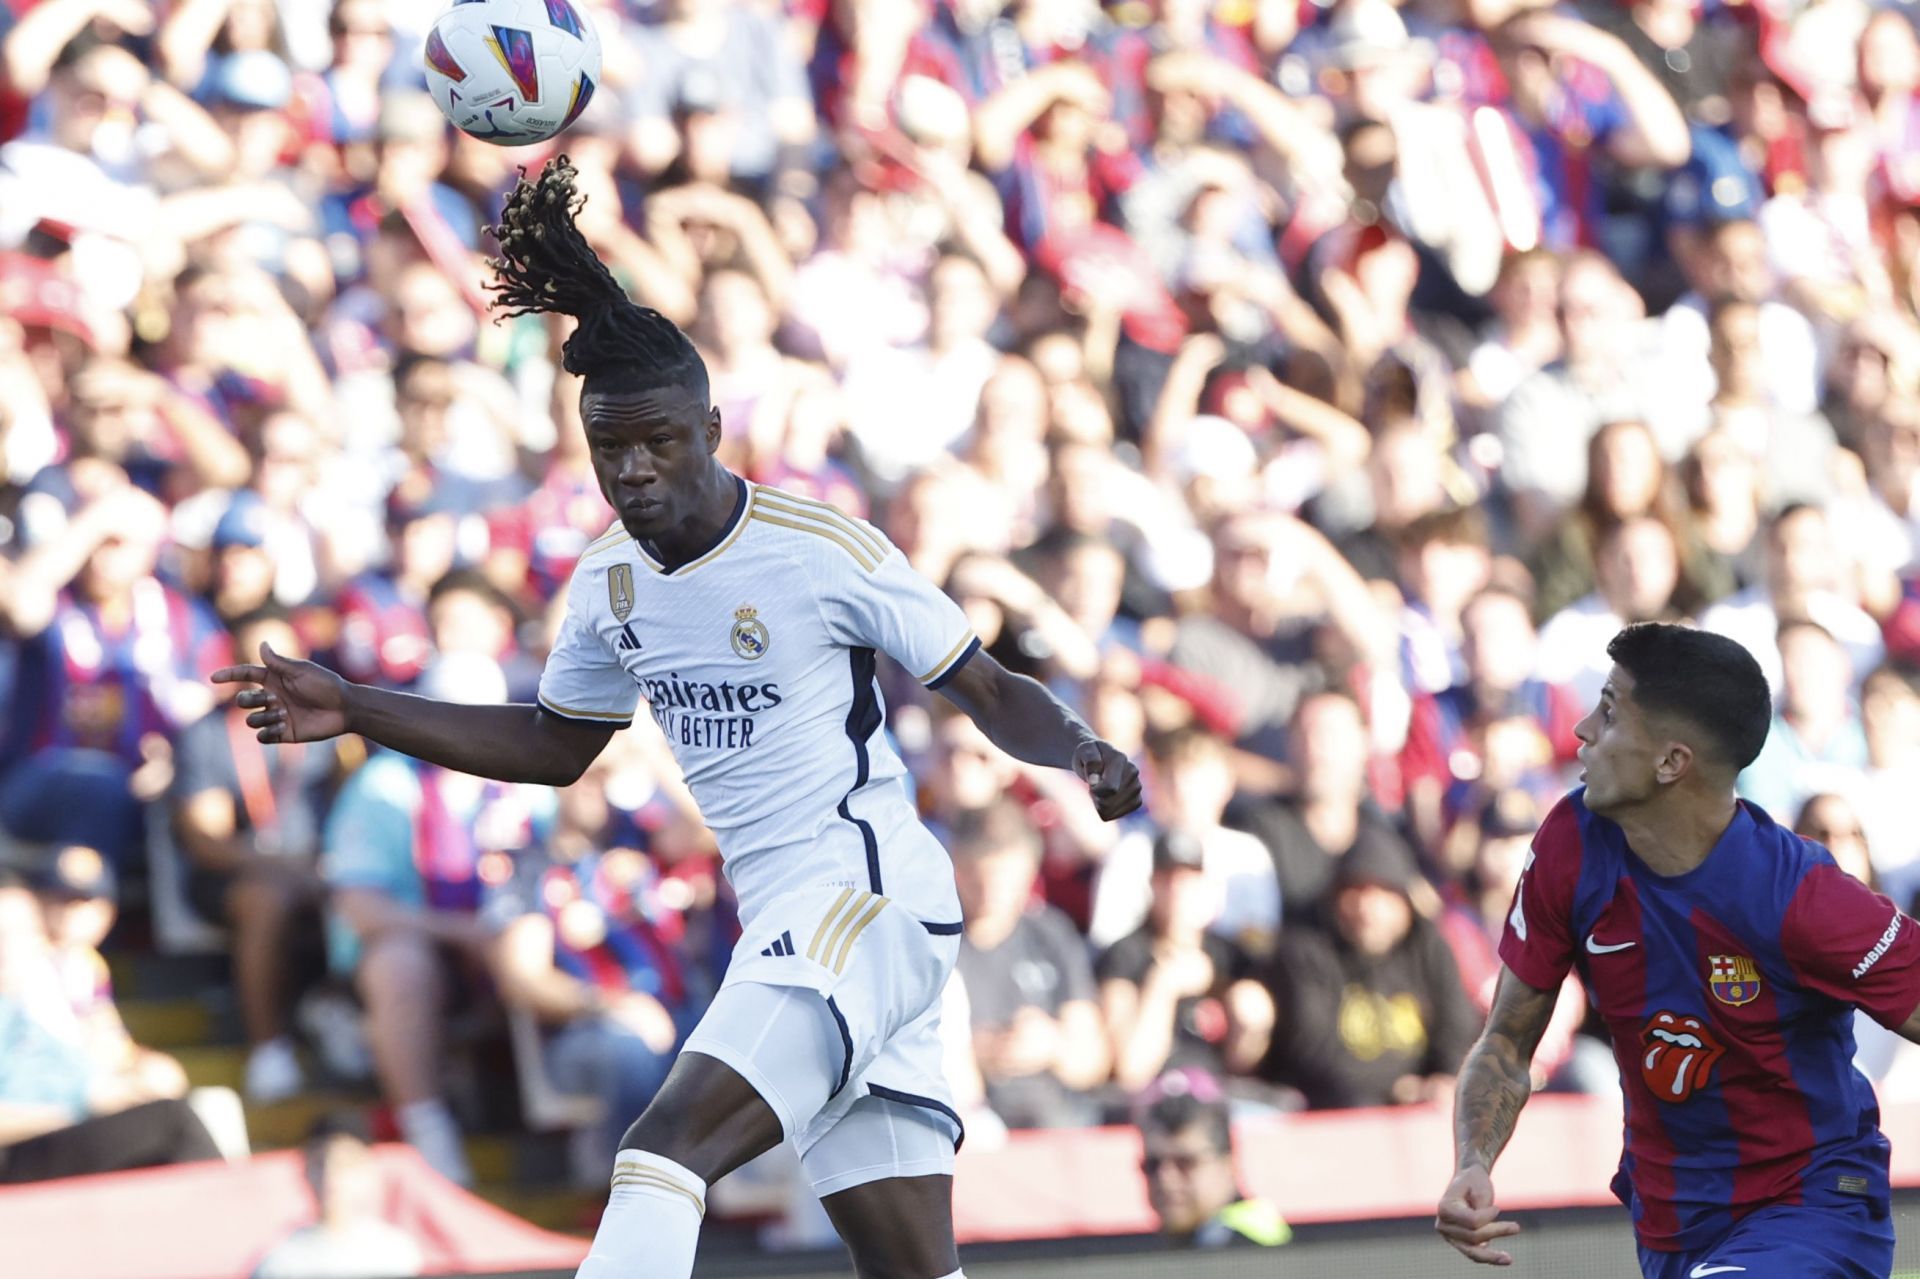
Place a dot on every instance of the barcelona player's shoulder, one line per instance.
(1562, 833)
(788, 517)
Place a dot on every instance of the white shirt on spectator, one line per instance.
(1786, 340)
(1238, 869)
(1750, 617)
(1573, 646)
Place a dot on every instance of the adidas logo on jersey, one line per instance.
(782, 946)
(629, 642)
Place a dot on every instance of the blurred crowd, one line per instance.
(1305, 392)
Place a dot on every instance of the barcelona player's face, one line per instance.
(652, 454)
(1618, 752)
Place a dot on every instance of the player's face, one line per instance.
(1618, 754)
(651, 452)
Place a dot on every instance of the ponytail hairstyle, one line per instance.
(546, 265)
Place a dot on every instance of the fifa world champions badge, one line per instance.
(1733, 979)
(750, 638)
(620, 591)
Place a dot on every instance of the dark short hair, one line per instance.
(998, 827)
(1183, 742)
(1709, 681)
(270, 613)
(1177, 1112)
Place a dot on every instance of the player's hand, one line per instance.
(291, 701)
(1111, 776)
(1467, 1218)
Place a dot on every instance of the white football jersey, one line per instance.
(757, 662)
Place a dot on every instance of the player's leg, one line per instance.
(884, 1173)
(720, 1107)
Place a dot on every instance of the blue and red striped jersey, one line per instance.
(1729, 992)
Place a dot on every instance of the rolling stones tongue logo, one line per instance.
(1677, 1053)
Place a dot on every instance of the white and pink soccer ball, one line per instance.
(512, 72)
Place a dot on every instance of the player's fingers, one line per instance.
(266, 719)
(254, 698)
(1458, 1212)
(1483, 1255)
(240, 675)
(1456, 1233)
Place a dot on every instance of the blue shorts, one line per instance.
(1849, 1241)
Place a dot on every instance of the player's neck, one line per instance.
(1673, 837)
(698, 533)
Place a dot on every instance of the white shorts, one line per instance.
(847, 1008)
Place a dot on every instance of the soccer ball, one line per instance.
(512, 72)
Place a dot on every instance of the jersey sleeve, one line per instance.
(1538, 942)
(1851, 943)
(583, 679)
(877, 600)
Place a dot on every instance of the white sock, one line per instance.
(958, 1274)
(652, 1222)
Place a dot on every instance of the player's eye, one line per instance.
(661, 441)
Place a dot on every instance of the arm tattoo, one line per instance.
(1496, 1078)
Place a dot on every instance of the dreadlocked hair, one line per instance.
(546, 265)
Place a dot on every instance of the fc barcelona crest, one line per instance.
(749, 638)
(620, 591)
(1733, 979)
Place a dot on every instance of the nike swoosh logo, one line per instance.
(1701, 1272)
(1595, 948)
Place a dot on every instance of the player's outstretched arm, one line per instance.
(1027, 722)
(293, 701)
(1495, 1081)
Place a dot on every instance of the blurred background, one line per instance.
(1305, 392)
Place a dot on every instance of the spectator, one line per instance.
(1793, 449)
(1037, 1033)
(1444, 765)
(1331, 815)
(402, 864)
(1600, 377)
(1186, 1136)
(1190, 780)
(1721, 480)
(1273, 580)
(58, 1116)
(1890, 715)
(1733, 266)
(1816, 742)
(1626, 477)
(249, 820)
(1369, 1007)
(583, 945)
(1472, 925)
(1445, 559)
(1174, 994)
(1805, 577)
(1830, 821)
(349, 1237)
(1636, 573)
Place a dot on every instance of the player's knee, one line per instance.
(705, 1118)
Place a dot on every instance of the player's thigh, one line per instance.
(898, 1228)
(761, 1062)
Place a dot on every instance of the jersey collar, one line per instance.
(742, 506)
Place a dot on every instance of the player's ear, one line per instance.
(713, 429)
(1676, 762)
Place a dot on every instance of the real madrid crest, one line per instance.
(620, 591)
(750, 638)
